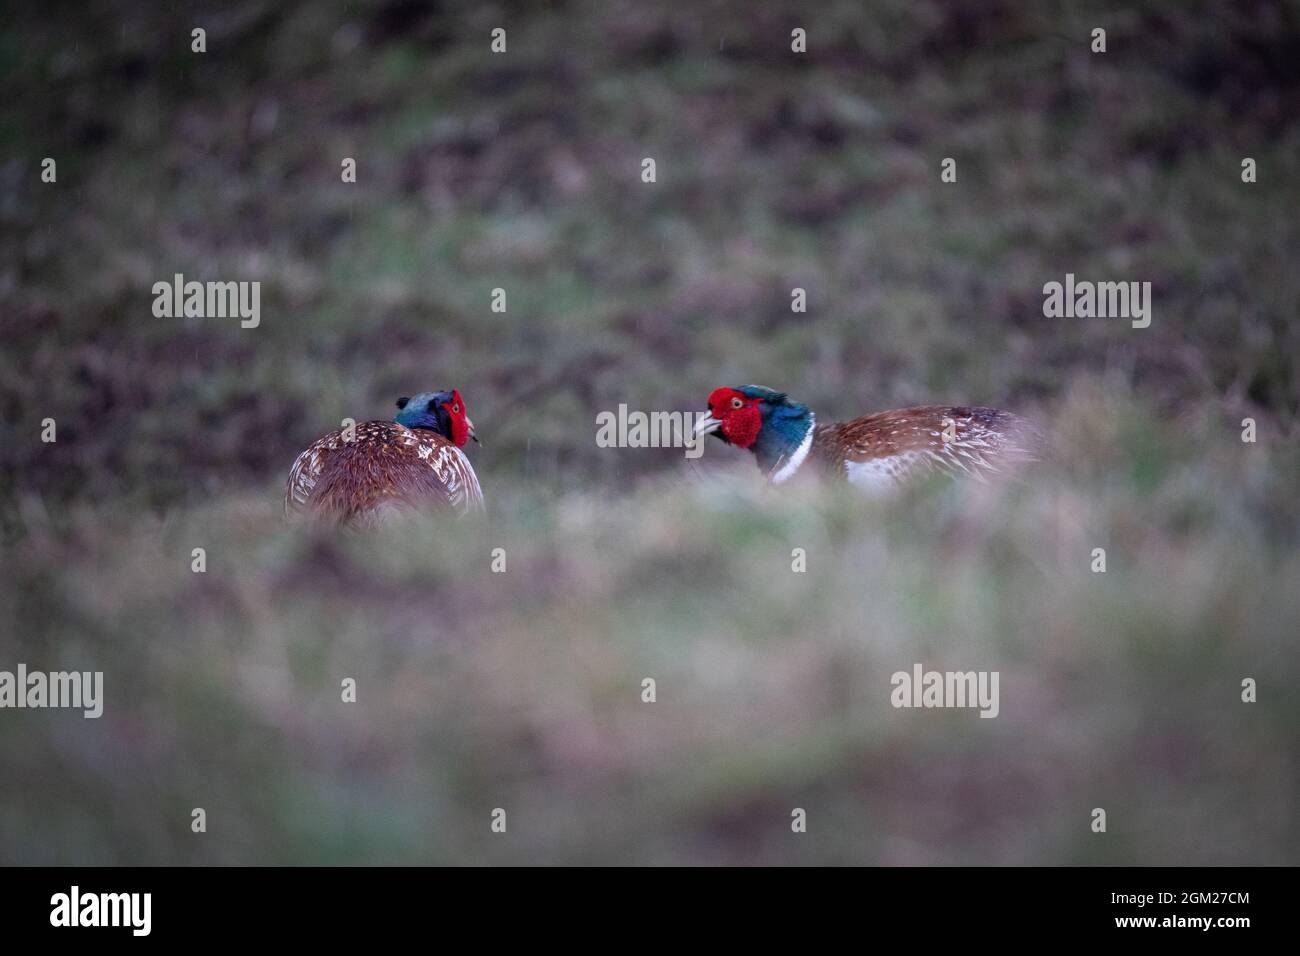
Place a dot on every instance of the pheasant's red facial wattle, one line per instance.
(740, 415)
(458, 418)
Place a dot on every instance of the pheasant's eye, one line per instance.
(737, 403)
(455, 409)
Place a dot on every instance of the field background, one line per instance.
(522, 690)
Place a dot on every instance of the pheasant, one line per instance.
(878, 451)
(359, 477)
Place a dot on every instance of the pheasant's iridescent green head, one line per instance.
(761, 419)
(441, 412)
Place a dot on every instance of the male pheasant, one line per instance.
(359, 477)
(877, 451)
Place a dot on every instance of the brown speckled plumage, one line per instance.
(894, 446)
(384, 467)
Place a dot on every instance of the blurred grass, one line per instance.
(522, 690)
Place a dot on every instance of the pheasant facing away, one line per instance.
(878, 451)
(416, 460)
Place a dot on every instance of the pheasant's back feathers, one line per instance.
(887, 448)
(384, 466)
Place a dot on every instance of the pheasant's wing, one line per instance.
(440, 469)
(306, 471)
(470, 494)
(889, 448)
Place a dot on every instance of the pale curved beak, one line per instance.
(470, 423)
(707, 424)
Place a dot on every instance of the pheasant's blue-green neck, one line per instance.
(783, 439)
(425, 411)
